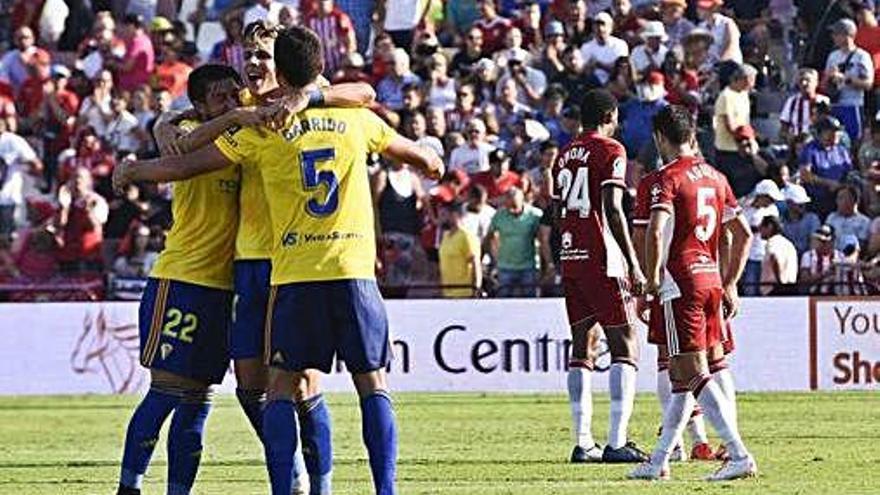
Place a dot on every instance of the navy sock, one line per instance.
(279, 432)
(185, 444)
(142, 435)
(314, 418)
(252, 402)
(380, 437)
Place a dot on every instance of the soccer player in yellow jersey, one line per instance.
(325, 299)
(186, 307)
(253, 245)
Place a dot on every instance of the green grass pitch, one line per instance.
(819, 443)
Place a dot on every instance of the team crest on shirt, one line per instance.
(566, 240)
(618, 168)
(656, 189)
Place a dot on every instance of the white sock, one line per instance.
(719, 411)
(580, 398)
(696, 427)
(664, 389)
(724, 379)
(622, 384)
(675, 416)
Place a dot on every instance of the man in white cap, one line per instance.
(650, 55)
(601, 52)
(762, 203)
(798, 224)
(849, 74)
(818, 263)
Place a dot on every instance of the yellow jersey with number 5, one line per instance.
(316, 183)
(200, 245)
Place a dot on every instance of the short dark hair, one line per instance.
(548, 144)
(299, 55)
(260, 30)
(853, 192)
(596, 106)
(133, 19)
(202, 77)
(675, 123)
(773, 222)
(456, 206)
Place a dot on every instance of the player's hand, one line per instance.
(652, 287)
(730, 302)
(166, 135)
(121, 176)
(248, 116)
(637, 281)
(280, 112)
(643, 311)
(437, 169)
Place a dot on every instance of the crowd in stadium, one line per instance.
(784, 91)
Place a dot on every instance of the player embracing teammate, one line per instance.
(694, 224)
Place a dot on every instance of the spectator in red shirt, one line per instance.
(171, 74)
(30, 96)
(89, 154)
(136, 67)
(529, 23)
(499, 179)
(81, 224)
(336, 32)
(493, 26)
(34, 254)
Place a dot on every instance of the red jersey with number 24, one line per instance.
(700, 201)
(584, 166)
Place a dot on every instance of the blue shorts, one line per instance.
(184, 329)
(314, 321)
(249, 312)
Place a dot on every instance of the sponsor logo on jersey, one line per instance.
(291, 239)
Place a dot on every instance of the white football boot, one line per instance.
(649, 471)
(735, 469)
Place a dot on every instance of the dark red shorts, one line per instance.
(599, 298)
(690, 323)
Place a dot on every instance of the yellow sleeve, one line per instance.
(236, 144)
(473, 245)
(379, 134)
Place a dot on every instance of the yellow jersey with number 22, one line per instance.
(315, 178)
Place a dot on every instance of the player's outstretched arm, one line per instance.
(207, 132)
(170, 168)
(351, 95)
(653, 246)
(422, 158)
(612, 204)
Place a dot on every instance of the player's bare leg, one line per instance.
(624, 348)
(379, 428)
(584, 342)
(190, 401)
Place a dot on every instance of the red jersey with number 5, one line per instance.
(700, 201)
(587, 164)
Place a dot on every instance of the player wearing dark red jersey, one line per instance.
(641, 214)
(692, 206)
(599, 273)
